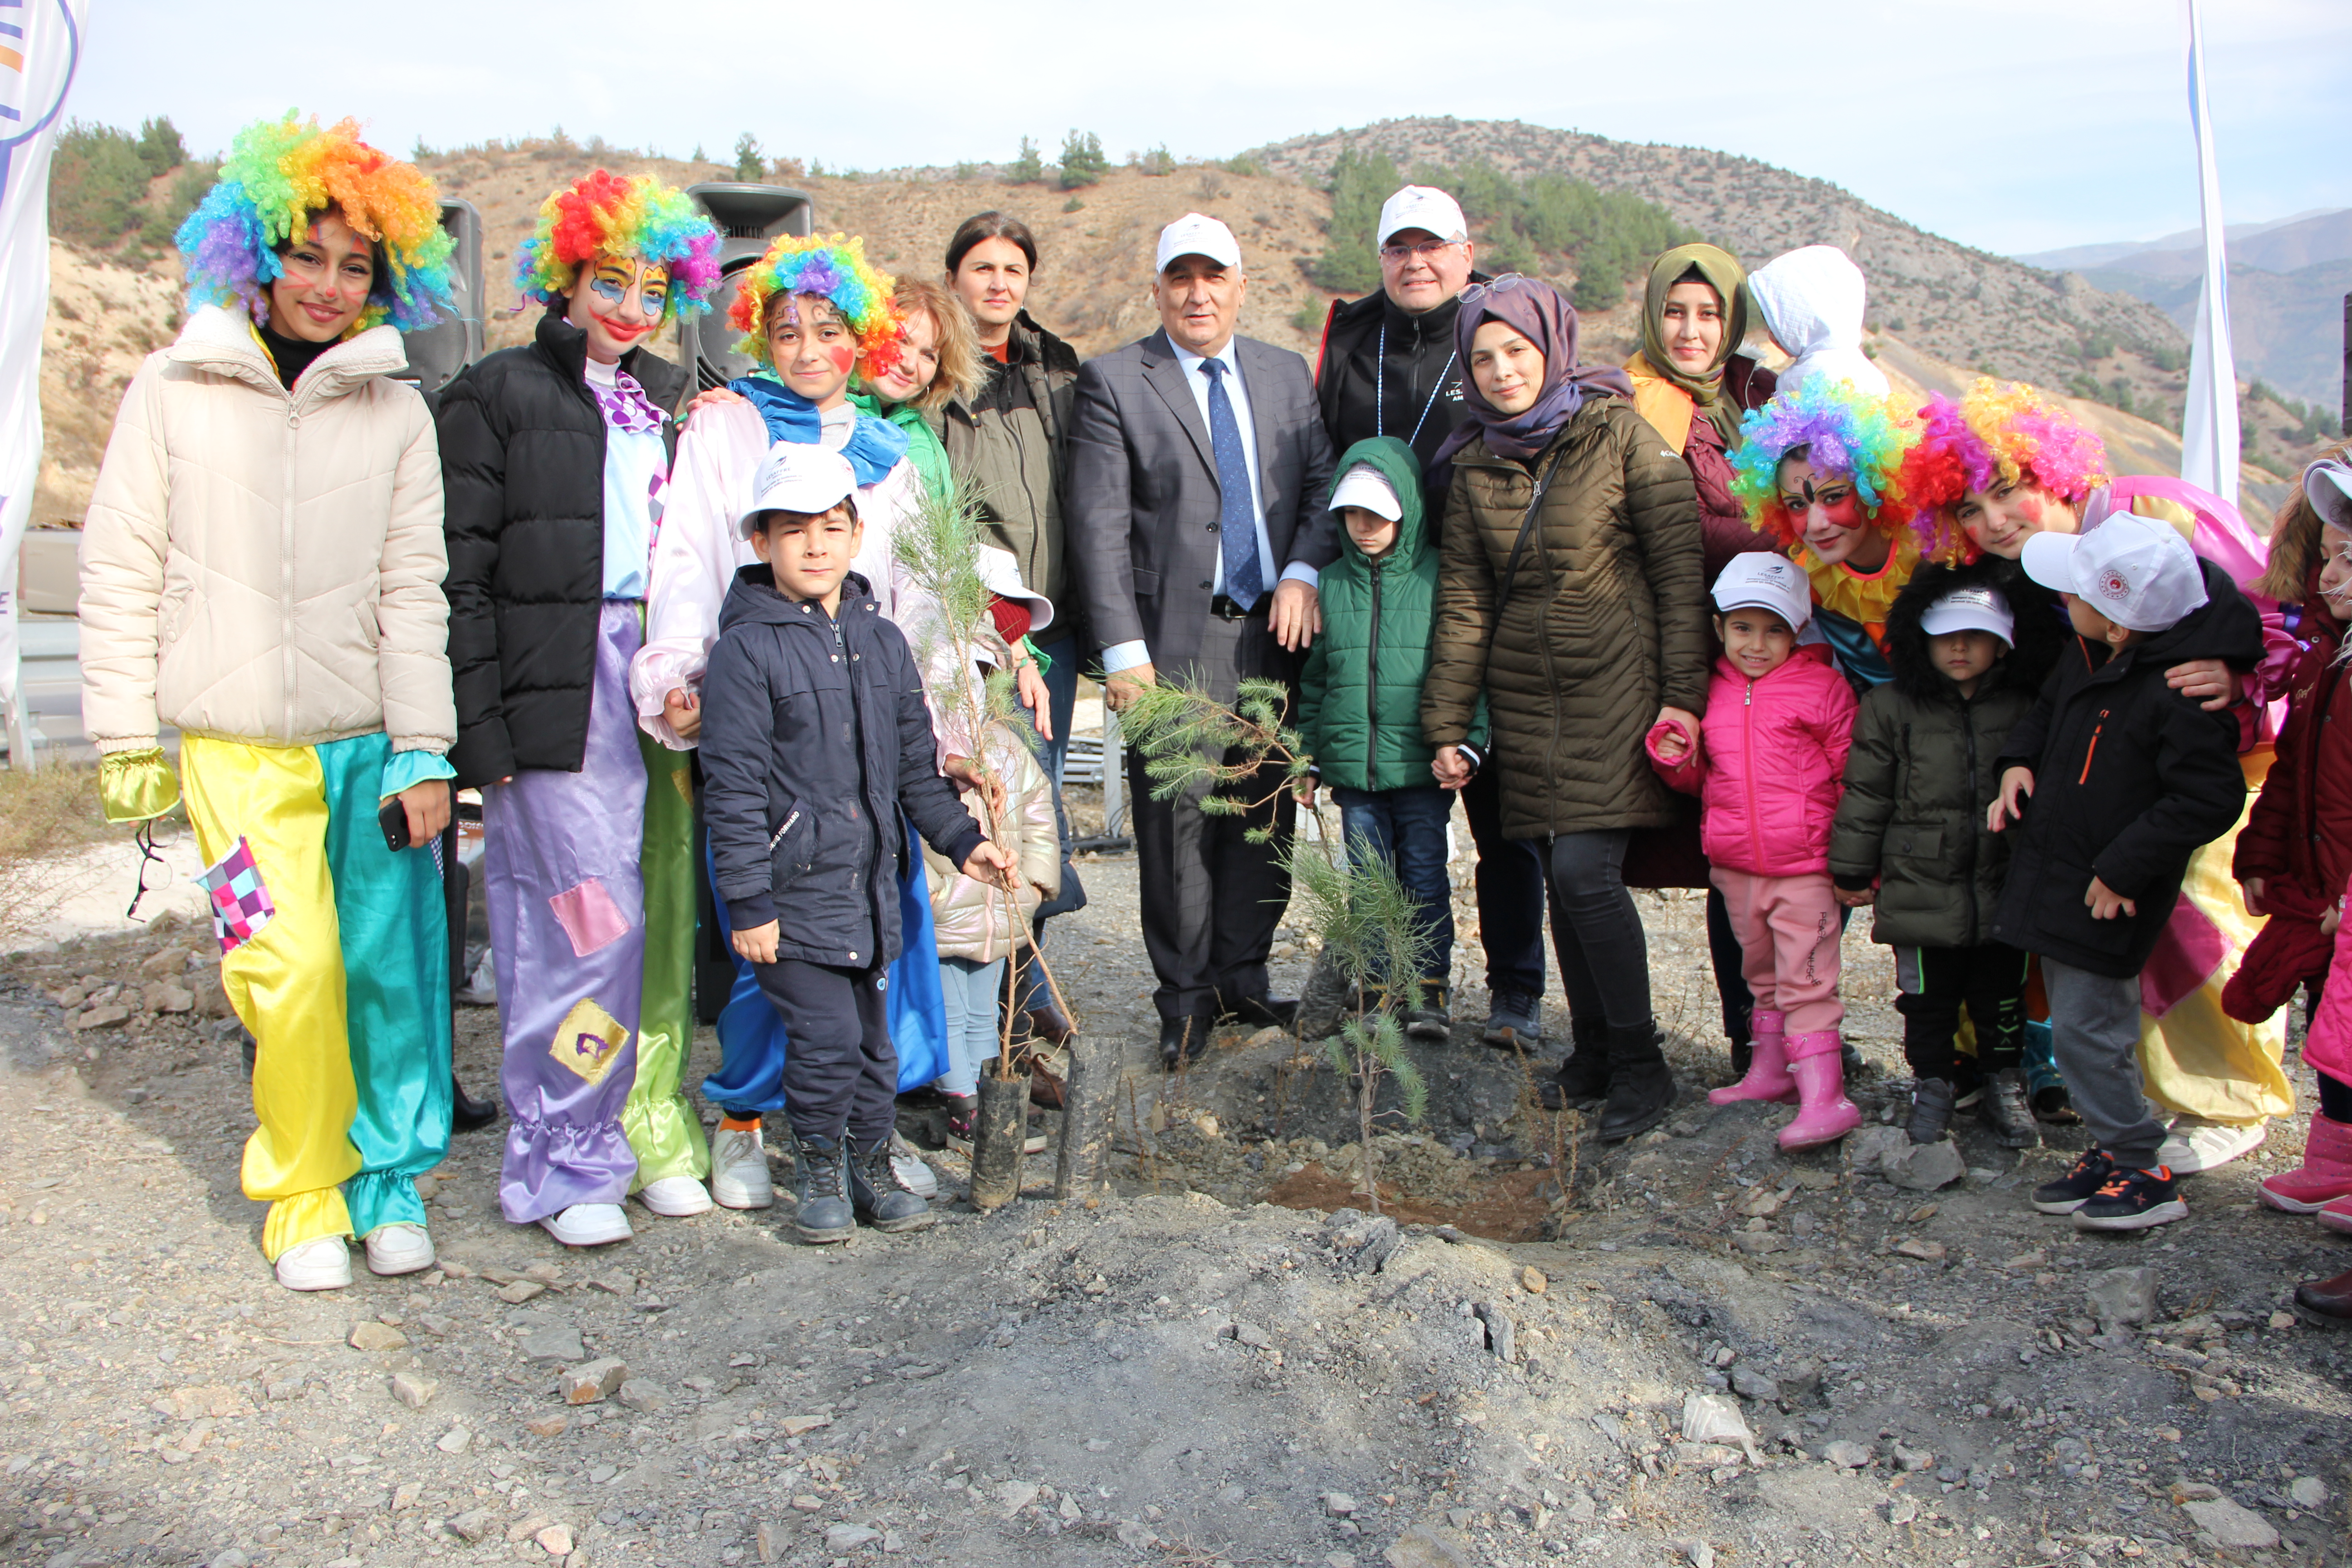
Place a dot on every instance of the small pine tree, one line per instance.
(748, 164)
(699, 156)
(1028, 169)
(1156, 162)
(1350, 262)
(1083, 163)
(159, 147)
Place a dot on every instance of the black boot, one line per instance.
(1584, 1077)
(465, 1112)
(820, 1208)
(877, 1194)
(1641, 1084)
(1931, 1109)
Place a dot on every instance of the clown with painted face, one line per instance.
(815, 314)
(1989, 472)
(1818, 469)
(261, 571)
(557, 460)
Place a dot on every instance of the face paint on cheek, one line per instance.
(2030, 509)
(841, 358)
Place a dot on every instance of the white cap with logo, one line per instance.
(1971, 609)
(1367, 487)
(1194, 234)
(2136, 571)
(1762, 580)
(2327, 485)
(1422, 207)
(797, 476)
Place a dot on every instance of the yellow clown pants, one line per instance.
(345, 986)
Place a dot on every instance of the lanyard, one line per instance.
(1379, 387)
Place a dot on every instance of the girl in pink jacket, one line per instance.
(1768, 767)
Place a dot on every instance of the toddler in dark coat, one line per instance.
(2127, 779)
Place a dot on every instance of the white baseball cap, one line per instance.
(1367, 487)
(797, 476)
(1423, 207)
(2327, 485)
(1971, 609)
(1193, 235)
(1764, 581)
(2136, 571)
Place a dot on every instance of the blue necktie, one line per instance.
(1236, 522)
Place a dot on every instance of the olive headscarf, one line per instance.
(1728, 280)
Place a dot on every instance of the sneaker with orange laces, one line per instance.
(2077, 1186)
(2133, 1199)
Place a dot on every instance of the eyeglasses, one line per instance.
(1508, 283)
(1426, 250)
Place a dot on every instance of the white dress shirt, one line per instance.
(1127, 654)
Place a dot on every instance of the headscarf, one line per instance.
(1813, 300)
(1538, 309)
(1728, 280)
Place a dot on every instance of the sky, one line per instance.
(2010, 125)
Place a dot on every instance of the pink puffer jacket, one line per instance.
(1770, 764)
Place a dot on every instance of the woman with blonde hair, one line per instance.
(940, 366)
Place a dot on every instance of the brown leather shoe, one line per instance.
(2328, 1298)
(1047, 1024)
(1044, 1089)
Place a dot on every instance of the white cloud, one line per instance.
(2008, 124)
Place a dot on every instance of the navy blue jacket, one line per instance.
(2130, 779)
(814, 736)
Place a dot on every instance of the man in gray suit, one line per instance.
(1199, 470)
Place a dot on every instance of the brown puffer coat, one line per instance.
(1604, 622)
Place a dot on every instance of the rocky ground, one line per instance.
(1699, 1350)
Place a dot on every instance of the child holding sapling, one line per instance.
(1767, 765)
(1359, 705)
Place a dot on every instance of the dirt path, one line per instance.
(1182, 1375)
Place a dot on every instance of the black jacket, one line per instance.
(522, 470)
(1422, 374)
(2130, 779)
(813, 735)
(1921, 774)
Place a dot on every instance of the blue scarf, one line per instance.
(875, 444)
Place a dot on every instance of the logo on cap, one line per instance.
(2112, 586)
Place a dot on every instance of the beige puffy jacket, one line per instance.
(265, 566)
(972, 920)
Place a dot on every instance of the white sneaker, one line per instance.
(919, 1178)
(739, 1170)
(676, 1198)
(398, 1249)
(2195, 1144)
(321, 1263)
(588, 1225)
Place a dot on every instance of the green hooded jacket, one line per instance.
(1359, 700)
(928, 458)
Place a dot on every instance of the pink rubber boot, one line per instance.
(1827, 1115)
(2338, 1215)
(1767, 1068)
(2324, 1176)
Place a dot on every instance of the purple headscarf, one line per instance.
(1538, 311)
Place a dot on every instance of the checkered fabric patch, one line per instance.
(240, 900)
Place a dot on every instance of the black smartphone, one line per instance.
(394, 820)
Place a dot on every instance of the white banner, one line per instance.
(2208, 421)
(40, 48)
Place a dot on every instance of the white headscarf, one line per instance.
(1812, 301)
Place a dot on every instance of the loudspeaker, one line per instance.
(749, 218)
(438, 352)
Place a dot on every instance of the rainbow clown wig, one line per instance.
(834, 269)
(1999, 432)
(1839, 430)
(604, 214)
(280, 175)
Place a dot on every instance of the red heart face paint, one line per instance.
(841, 358)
